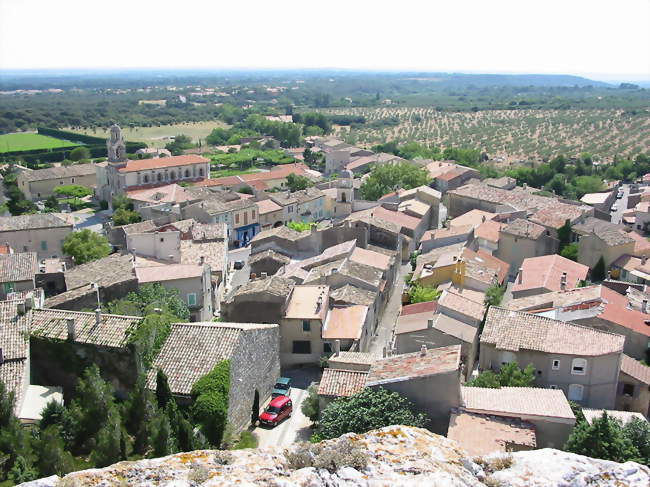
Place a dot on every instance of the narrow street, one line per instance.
(621, 205)
(384, 333)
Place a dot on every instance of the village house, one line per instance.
(17, 273)
(251, 350)
(475, 218)
(548, 273)
(522, 239)
(271, 214)
(633, 392)
(598, 238)
(309, 204)
(581, 361)
(40, 184)
(268, 261)
(42, 233)
(448, 175)
(260, 300)
(486, 236)
(443, 237)
(547, 410)
(167, 196)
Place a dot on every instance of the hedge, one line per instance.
(71, 136)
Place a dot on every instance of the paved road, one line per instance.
(384, 333)
(297, 427)
(621, 205)
(238, 277)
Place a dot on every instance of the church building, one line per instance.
(118, 174)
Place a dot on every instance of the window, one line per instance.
(162, 239)
(25, 249)
(552, 386)
(301, 346)
(60, 182)
(201, 171)
(306, 325)
(72, 180)
(173, 175)
(253, 215)
(556, 365)
(43, 245)
(159, 177)
(187, 173)
(327, 347)
(507, 357)
(575, 392)
(191, 299)
(579, 366)
(9, 287)
(628, 390)
(237, 219)
(146, 178)
(290, 209)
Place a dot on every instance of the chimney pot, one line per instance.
(71, 331)
(98, 316)
(423, 350)
(202, 260)
(644, 306)
(521, 276)
(644, 259)
(337, 348)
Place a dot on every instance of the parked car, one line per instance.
(614, 207)
(239, 264)
(278, 410)
(619, 196)
(282, 387)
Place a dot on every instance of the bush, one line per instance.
(510, 375)
(494, 295)
(73, 191)
(103, 205)
(79, 153)
(372, 408)
(85, 246)
(570, 252)
(300, 226)
(210, 402)
(125, 217)
(332, 456)
(311, 406)
(422, 294)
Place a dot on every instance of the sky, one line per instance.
(600, 39)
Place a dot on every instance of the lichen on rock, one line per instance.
(393, 456)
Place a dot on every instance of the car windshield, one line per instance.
(272, 409)
(281, 386)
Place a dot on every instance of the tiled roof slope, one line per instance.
(31, 222)
(193, 349)
(112, 330)
(60, 172)
(635, 369)
(14, 329)
(515, 330)
(18, 267)
(514, 401)
(411, 365)
(341, 383)
(162, 162)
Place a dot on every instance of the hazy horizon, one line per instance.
(597, 39)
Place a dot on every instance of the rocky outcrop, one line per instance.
(392, 456)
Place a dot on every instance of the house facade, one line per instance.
(40, 184)
(42, 233)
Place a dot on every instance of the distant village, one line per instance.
(331, 308)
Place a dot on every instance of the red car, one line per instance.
(278, 409)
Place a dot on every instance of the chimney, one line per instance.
(314, 228)
(521, 276)
(483, 219)
(423, 350)
(644, 259)
(429, 324)
(71, 331)
(644, 306)
(337, 347)
(21, 308)
(563, 281)
(98, 316)
(202, 260)
(384, 352)
(2, 357)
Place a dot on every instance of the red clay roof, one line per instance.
(616, 311)
(546, 272)
(489, 230)
(396, 217)
(144, 164)
(417, 308)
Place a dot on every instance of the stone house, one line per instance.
(583, 362)
(598, 238)
(260, 300)
(443, 237)
(486, 236)
(307, 205)
(546, 409)
(42, 233)
(633, 392)
(267, 261)
(548, 273)
(17, 273)
(40, 184)
(522, 239)
(252, 350)
(192, 281)
(271, 214)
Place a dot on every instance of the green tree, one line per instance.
(296, 182)
(73, 191)
(598, 272)
(638, 432)
(51, 453)
(15, 448)
(311, 406)
(122, 216)
(603, 438)
(55, 414)
(300, 226)
(390, 177)
(570, 252)
(22, 470)
(52, 203)
(85, 246)
(181, 142)
(163, 392)
(122, 201)
(564, 234)
(110, 439)
(162, 439)
(139, 412)
(79, 153)
(210, 402)
(372, 408)
(494, 295)
(510, 375)
(150, 298)
(422, 294)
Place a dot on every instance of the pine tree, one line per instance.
(162, 439)
(50, 450)
(163, 392)
(139, 412)
(604, 439)
(109, 447)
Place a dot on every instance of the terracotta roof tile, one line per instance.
(345, 323)
(635, 369)
(545, 272)
(516, 401)
(341, 383)
(162, 162)
(18, 267)
(407, 366)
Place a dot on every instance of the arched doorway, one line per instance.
(255, 413)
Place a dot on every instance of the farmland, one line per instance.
(29, 141)
(159, 136)
(509, 134)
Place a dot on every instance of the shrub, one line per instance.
(73, 191)
(311, 406)
(422, 294)
(510, 375)
(85, 246)
(332, 456)
(210, 402)
(125, 217)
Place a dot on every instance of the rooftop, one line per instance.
(517, 401)
(274, 285)
(269, 254)
(609, 233)
(18, 267)
(308, 303)
(595, 198)
(268, 206)
(193, 349)
(489, 230)
(170, 193)
(454, 231)
(408, 366)
(341, 382)
(350, 294)
(635, 369)
(106, 271)
(462, 304)
(482, 434)
(546, 272)
(214, 254)
(60, 172)
(282, 232)
(524, 229)
(515, 330)
(168, 272)
(345, 323)
(556, 216)
(163, 162)
(371, 258)
(351, 358)
(396, 217)
(111, 331)
(32, 222)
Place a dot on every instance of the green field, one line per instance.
(27, 141)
